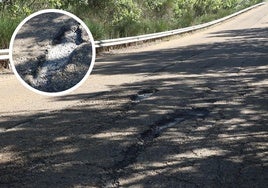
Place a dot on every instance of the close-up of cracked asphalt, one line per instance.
(190, 111)
(46, 49)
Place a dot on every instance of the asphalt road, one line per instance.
(188, 112)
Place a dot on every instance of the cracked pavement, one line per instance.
(206, 92)
(52, 52)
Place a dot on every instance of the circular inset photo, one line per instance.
(52, 52)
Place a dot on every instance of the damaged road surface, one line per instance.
(56, 61)
(189, 112)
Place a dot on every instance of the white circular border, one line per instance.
(92, 59)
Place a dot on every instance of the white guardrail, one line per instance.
(4, 54)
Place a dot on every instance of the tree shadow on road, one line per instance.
(251, 45)
(85, 144)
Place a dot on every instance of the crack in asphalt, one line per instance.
(146, 138)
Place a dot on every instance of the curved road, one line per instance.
(188, 112)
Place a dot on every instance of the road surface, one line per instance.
(188, 112)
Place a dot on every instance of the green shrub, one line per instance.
(7, 27)
(97, 29)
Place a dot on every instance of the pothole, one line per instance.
(143, 94)
(56, 58)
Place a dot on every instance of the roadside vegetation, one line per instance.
(121, 18)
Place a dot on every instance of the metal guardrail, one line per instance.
(127, 40)
(4, 54)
